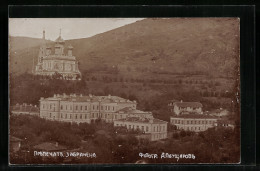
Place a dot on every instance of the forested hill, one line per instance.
(168, 46)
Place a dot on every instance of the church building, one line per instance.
(54, 61)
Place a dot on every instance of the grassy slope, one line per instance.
(162, 45)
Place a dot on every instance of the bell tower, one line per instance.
(43, 34)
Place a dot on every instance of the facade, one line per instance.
(180, 108)
(154, 129)
(50, 63)
(25, 109)
(195, 123)
(15, 144)
(78, 108)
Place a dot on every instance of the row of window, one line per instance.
(192, 128)
(158, 136)
(155, 128)
(84, 116)
(185, 108)
(192, 122)
(81, 108)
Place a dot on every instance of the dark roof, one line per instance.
(131, 110)
(47, 146)
(188, 104)
(142, 120)
(194, 116)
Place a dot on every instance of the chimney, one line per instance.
(81, 95)
(75, 95)
(57, 144)
(35, 106)
(181, 101)
(64, 95)
(90, 95)
(54, 95)
(109, 96)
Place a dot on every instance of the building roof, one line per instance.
(188, 104)
(59, 40)
(142, 120)
(131, 110)
(47, 146)
(195, 116)
(90, 98)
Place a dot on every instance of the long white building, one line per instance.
(79, 108)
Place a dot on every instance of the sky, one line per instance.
(71, 28)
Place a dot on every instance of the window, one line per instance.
(80, 116)
(50, 114)
(199, 122)
(66, 116)
(66, 107)
(93, 107)
(101, 107)
(188, 122)
(86, 116)
(154, 129)
(86, 107)
(142, 128)
(61, 115)
(108, 107)
(179, 121)
(76, 107)
(70, 107)
(147, 128)
(195, 128)
(76, 116)
(202, 122)
(97, 107)
(113, 108)
(129, 126)
(137, 127)
(194, 122)
(182, 122)
(199, 128)
(81, 108)
(61, 107)
(70, 116)
(205, 122)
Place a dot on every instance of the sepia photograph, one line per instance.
(124, 90)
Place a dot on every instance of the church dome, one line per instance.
(59, 40)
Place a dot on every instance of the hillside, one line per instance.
(168, 46)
